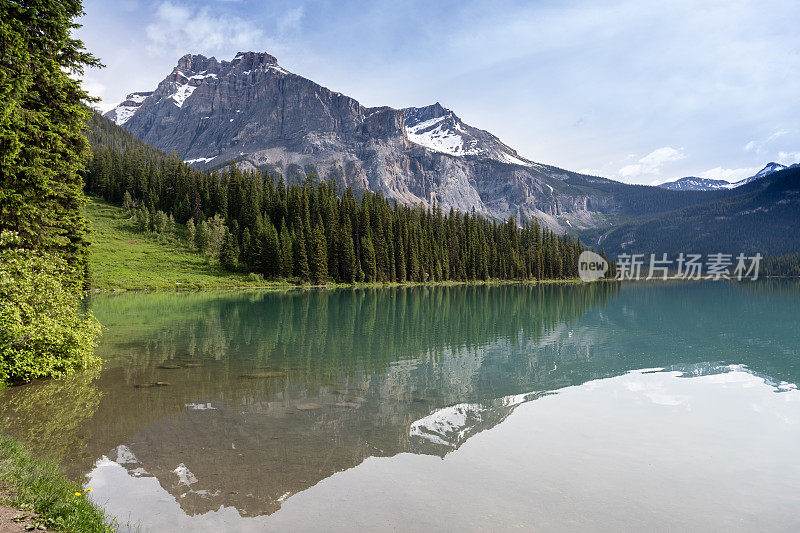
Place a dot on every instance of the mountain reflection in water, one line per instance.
(243, 399)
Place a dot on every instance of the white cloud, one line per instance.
(759, 146)
(788, 158)
(290, 21)
(93, 87)
(729, 174)
(651, 164)
(630, 171)
(179, 29)
(659, 156)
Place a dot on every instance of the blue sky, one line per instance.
(643, 92)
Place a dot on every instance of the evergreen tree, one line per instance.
(286, 263)
(347, 259)
(229, 256)
(192, 233)
(301, 257)
(42, 117)
(127, 202)
(368, 258)
(319, 264)
(270, 250)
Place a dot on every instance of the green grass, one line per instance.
(123, 257)
(38, 486)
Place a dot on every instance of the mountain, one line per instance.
(692, 183)
(766, 171)
(253, 111)
(760, 216)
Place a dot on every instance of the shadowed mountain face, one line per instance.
(262, 396)
(760, 218)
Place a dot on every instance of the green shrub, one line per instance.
(253, 276)
(43, 333)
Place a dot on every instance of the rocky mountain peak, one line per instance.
(253, 60)
(415, 115)
(125, 110)
(769, 168)
(439, 129)
(195, 63)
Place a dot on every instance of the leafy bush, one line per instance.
(210, 236)
(253, 276)
(43, 333)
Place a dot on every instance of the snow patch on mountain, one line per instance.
(200, 160)
(182, 93)
(124, 113)
(277, 68)
(121, 113)
(513, 160)
(202, 76)
(436, 136)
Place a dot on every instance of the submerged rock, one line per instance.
(151, 384)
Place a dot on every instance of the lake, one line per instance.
(666, 406)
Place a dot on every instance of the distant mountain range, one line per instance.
(253, 112)
(692, 183)
(759, 216)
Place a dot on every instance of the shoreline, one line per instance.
(288, 286)
(34, 493)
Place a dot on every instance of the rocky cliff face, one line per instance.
(255, 112)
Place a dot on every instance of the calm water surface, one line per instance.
(598, 407)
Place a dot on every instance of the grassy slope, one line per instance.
(122, 257)
(38, 486)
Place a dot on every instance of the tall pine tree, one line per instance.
(42, 117)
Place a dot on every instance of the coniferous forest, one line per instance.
(312, 231)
